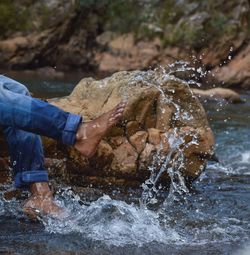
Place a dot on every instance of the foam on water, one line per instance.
(245, 157)
(117, 223)
(243, 251)
(111, 221)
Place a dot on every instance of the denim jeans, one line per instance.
(23, 119)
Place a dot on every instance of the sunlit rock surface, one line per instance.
(162, 118)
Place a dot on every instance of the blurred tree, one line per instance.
(13, 17)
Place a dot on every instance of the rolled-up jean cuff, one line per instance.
(23, 179)
(69, 132)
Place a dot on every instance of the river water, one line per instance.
(213, 219)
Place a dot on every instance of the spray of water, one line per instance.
(111, 221)
(116, 222)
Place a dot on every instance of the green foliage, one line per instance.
(171, 20)
(120, 16)
(170, 12)
(170, 17)
(45, 16)
(12, 18)
(184, 35)
(180, 28)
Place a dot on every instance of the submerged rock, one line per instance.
(162, 118)
(218, 94)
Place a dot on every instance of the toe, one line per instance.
(120, 110)
(115, 117)
(121, 105)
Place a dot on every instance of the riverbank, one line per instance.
(213, 38)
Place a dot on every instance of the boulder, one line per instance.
(162, 117)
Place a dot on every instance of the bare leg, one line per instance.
(90, 134)
(88, 137)
(41, 202)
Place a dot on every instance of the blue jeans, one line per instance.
(23, 119)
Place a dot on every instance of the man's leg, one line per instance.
(36, 116)
(27, 160)
(19, 111)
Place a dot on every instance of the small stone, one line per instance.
(125, 159)
(132, 127)
(147, 153)
(138, 140)
(154, 136)
(117, 140)
(164, 146)
(104, 149)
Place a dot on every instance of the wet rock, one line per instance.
(164, 146)
(138, 140)
(218, 94)
(125, 154)
(117, 141)
(125, 159)
(164, 115)
(161, 112)
(60, 45)
(146, 157)
(132, 127)
(218, 53)
(154, 136)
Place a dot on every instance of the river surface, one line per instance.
(213, 219)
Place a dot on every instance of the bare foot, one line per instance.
(90, 134)
(41, 202)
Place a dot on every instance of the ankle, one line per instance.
(81, 132)
(40, 189)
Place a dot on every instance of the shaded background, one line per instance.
(59, 38)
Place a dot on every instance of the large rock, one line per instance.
(237, 72)
(161, 113)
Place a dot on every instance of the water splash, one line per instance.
(172, 163)
(110, 221)
(10, 208)
(118, 223)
